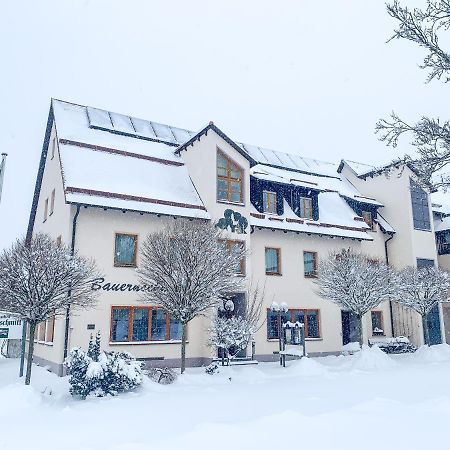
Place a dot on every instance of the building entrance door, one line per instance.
(434, 326)
(350, 327)
(446, 314)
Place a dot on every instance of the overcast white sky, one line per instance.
(304, 76)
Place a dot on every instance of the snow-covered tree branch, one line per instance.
(431, 140)
(355, 283)
(422, 27)
(422, 289)
(431, 137)
(41, 279)
(187, 269)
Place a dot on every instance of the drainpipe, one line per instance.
(72, 252)
(391, 312)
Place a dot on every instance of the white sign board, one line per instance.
(10, 327)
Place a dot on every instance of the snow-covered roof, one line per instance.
(102, 166)
(384, 224)
(442, 224)
(359, 168)
(336, 183)
(440, 202)
(336, 219)
(105, 169)
(290, 161)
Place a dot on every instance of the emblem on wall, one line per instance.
(233, 221)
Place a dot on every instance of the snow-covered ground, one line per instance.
(368, 400)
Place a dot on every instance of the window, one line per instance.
(273, 261)
(41, 332)
(310, 264)
(420, 209)
(229, 180)
(50, 330)
(237, 246)
(52, 202)
(443, 242)
(143, 324)
(306, 210)
(422, 263)
(45, 209)
(270, 202)
(310, 317)
(367, 216)
(125, 250)
(377, 323)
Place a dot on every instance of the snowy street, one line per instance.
(362, 401)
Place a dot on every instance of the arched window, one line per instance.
(229, 180)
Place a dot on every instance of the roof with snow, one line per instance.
(109, 169)
(117, 161)
(442, 224)
(336, 219)
(360, 169)
(328, 183)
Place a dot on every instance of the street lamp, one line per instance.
(279, 308)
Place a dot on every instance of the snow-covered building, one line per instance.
(106, 180)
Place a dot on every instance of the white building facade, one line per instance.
(107, 180)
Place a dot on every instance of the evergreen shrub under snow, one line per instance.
(101, 373)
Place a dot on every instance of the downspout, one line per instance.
(72, 252)
(386, 255)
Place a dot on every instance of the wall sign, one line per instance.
(233, 221)
(102, 284)
(10, 327)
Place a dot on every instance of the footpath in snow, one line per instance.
(368, 400)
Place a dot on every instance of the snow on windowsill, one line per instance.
(145, 342)
(307, 339)
(226, 202)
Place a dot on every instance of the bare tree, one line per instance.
(422, 289)
(431, 137)
(41, 279)
(355, 282)
(232, 333)
(187, 269)
(422, 27)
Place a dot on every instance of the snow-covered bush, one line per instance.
(100, 373)
(211, 369)
(164, 375)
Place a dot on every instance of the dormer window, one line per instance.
(306, 210)
(368, 218)
(270, 202)
(229, 180)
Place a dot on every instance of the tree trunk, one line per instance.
(183, 348)
(360, 331)
(30, 352)
(426, 334)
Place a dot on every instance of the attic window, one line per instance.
(306, 210)
(270, 202)
(229, 180)
(367, 216)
